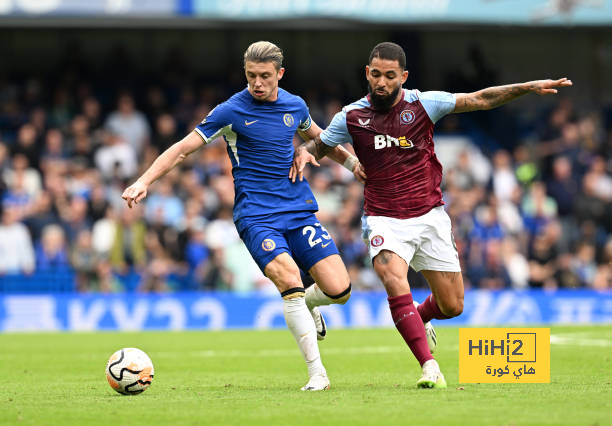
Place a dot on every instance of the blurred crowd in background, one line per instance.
(532, 212)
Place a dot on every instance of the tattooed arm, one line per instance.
(317, 148)
(493, 97)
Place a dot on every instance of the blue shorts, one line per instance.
(299, 234)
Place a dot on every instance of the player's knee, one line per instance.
(283, 276)
(341, 298)
(292, 293)
(453, 309)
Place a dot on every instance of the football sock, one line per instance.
(429, 309)
(302, 326)
(317, 297)
(409, 324)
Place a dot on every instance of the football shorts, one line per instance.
(425, 242)
(301, 235)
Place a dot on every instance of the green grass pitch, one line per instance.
(253, 378)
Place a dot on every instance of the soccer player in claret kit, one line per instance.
(404, 222)
(273, 215)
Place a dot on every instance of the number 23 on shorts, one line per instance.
(316, 234)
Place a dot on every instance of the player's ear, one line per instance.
(280, 73)
(367, 69)
(404, 76)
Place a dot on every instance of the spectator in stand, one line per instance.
(563, 187)
(41, 214)
(28, 144)
(163, 206)
(16, 249)
(20, 169)
(583, 264)
(116, 159)
(128, 251)
(92, 111)
(503, 179)
(54, 152)
(129, 124)
(84, 260)
(515, 264)
(51, 252)
(538, 208)
(75, 217)
(165, 132)
(543, 253)
(82, 143)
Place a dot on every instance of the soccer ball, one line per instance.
(129, 371)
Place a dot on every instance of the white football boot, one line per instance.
(319, 323)
(432, 376)
(318, 382)
(430, 333)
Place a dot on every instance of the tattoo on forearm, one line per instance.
(495, 96)
(320, 149)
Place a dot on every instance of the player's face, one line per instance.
(263, 80)
(385, 78)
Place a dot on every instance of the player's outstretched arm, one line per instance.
(162, 165)
(493, 97)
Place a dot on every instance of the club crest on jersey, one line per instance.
(377, 241)
(288, 120)
(363, 122)
(268, 244)
(406, 116)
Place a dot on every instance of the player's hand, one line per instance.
(359, 173)
(300, 159)
(134, 193)
(547, 87)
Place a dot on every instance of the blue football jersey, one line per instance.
(259, 137)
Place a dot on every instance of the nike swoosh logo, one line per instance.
(325, 245)
(248, 123)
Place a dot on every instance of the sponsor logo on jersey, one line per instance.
(406, 116)
(386, 141)
(377, 241)
(248, 123)
(364, 122)
(288, 120)
(268, 244)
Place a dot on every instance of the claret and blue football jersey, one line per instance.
(259, 137)
(396, 150)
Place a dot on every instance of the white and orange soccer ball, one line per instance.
(129, 371)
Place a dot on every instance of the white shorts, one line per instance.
(425, 242)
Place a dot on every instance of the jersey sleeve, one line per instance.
(437, 104)
(214, 123)
(305, 120)
(337, 132)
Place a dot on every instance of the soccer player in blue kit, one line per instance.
(273, 215)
